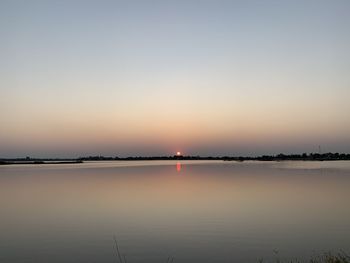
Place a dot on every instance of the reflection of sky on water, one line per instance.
(217, 211)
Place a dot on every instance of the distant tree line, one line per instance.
(305, 157)
(278, 157)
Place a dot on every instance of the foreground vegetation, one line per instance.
(341, 257)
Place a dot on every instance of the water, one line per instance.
(196, 211)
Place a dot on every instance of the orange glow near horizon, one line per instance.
(178, 153)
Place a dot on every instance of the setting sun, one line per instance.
(178, 153)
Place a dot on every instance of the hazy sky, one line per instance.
(154, 77)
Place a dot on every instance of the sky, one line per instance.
(123, 78)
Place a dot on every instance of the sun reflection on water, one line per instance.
(178, 167)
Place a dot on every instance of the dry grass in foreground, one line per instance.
(328, 257)
(341, 257)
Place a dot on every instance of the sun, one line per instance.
(178, 153)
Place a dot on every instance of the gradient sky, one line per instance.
(154, 77)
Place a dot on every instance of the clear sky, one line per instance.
(155, 77)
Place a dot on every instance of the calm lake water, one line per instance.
(193, 211)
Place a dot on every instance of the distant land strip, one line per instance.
(38, 161)
(279, 157)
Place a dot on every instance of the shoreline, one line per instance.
(79, 161)
(39, 162)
